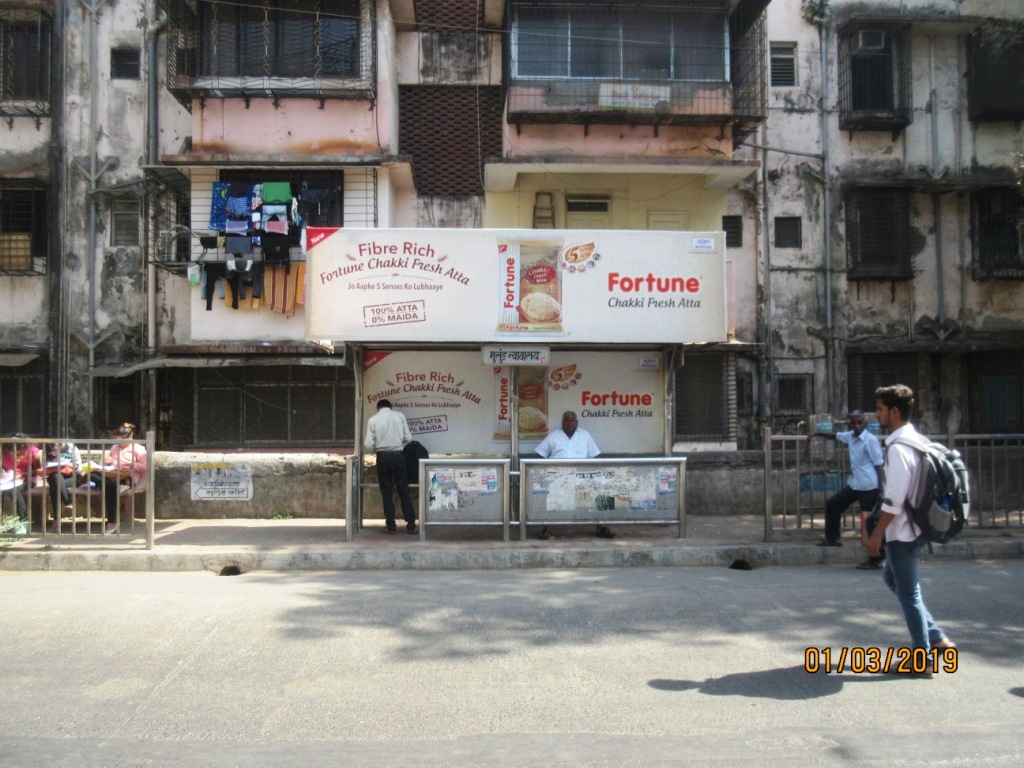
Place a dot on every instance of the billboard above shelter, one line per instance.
(486, 286)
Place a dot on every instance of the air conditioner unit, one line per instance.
(869, 41)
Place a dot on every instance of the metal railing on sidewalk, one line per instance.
(798, 480)
(58, 487)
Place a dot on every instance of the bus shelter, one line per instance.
(483, 338)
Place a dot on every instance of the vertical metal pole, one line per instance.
(682, 498)
(150, 490)
(767, 483)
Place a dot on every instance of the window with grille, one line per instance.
(271, 48)
(124, 63)
(274, 406)
(783, 63)
(995, 386)
(118, 402)
(280, 38)
(744, 393)
(24, 60)
(702, 386)
(994, 89)
(635, 42)
(868, 372)
(321, 194)
(124, 222)
(24, 213)
(874, 78)
(733, 227)
(878, 234)
(793, 394)
(997, 217)
(23, 398)
(788, 232)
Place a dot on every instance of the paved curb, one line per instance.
(481, 558)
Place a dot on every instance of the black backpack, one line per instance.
(414, 451)
(937, 501)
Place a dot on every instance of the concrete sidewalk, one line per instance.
(241, 545)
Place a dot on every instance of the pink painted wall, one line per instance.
(622, 141)
(294, 127)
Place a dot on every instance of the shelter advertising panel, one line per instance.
(366, 285)
(455, 404)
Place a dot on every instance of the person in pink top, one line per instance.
(20, 466)
(126, 464)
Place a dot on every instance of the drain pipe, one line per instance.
(826, 185)
(936, 173)
(152, 158)
(92, 12)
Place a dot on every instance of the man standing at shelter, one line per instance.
(570, 442)
(866, 468)
(387, 432)
(903, 541)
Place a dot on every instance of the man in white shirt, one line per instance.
(903, 541)
(570, 442)
(387, 432)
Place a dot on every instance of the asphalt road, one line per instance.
(599, 667)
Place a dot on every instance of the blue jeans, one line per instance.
(901, 575)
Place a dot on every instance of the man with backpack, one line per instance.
(903, 540)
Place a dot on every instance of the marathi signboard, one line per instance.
(490, 286)
(221, 481)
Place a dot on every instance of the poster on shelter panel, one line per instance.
(579, 286)
(455, 403)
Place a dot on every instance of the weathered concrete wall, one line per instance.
(294, 484)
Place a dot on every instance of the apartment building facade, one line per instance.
(763, 120)
(890, 212)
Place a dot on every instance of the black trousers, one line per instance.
(392, 474)
(837, 504)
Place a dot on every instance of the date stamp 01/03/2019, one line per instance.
(858, 660)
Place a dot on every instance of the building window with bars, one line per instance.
(301, 38)
(874, 79)
(636, 42)
(24, 62)
(733, 228)
(263, 406)
(124, 222)
(995, 389)
(271, 48)
(24, 214)
(994, 68)
(701, 399)
(997, 217)
(867, 372)
(788, 232)
(783, 65)
(124, 64)
(23, 398)
(878, 234)
(320, 194)
(793, 394)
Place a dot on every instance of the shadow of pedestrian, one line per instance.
(787, 684)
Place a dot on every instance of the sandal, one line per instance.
(604, 532)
